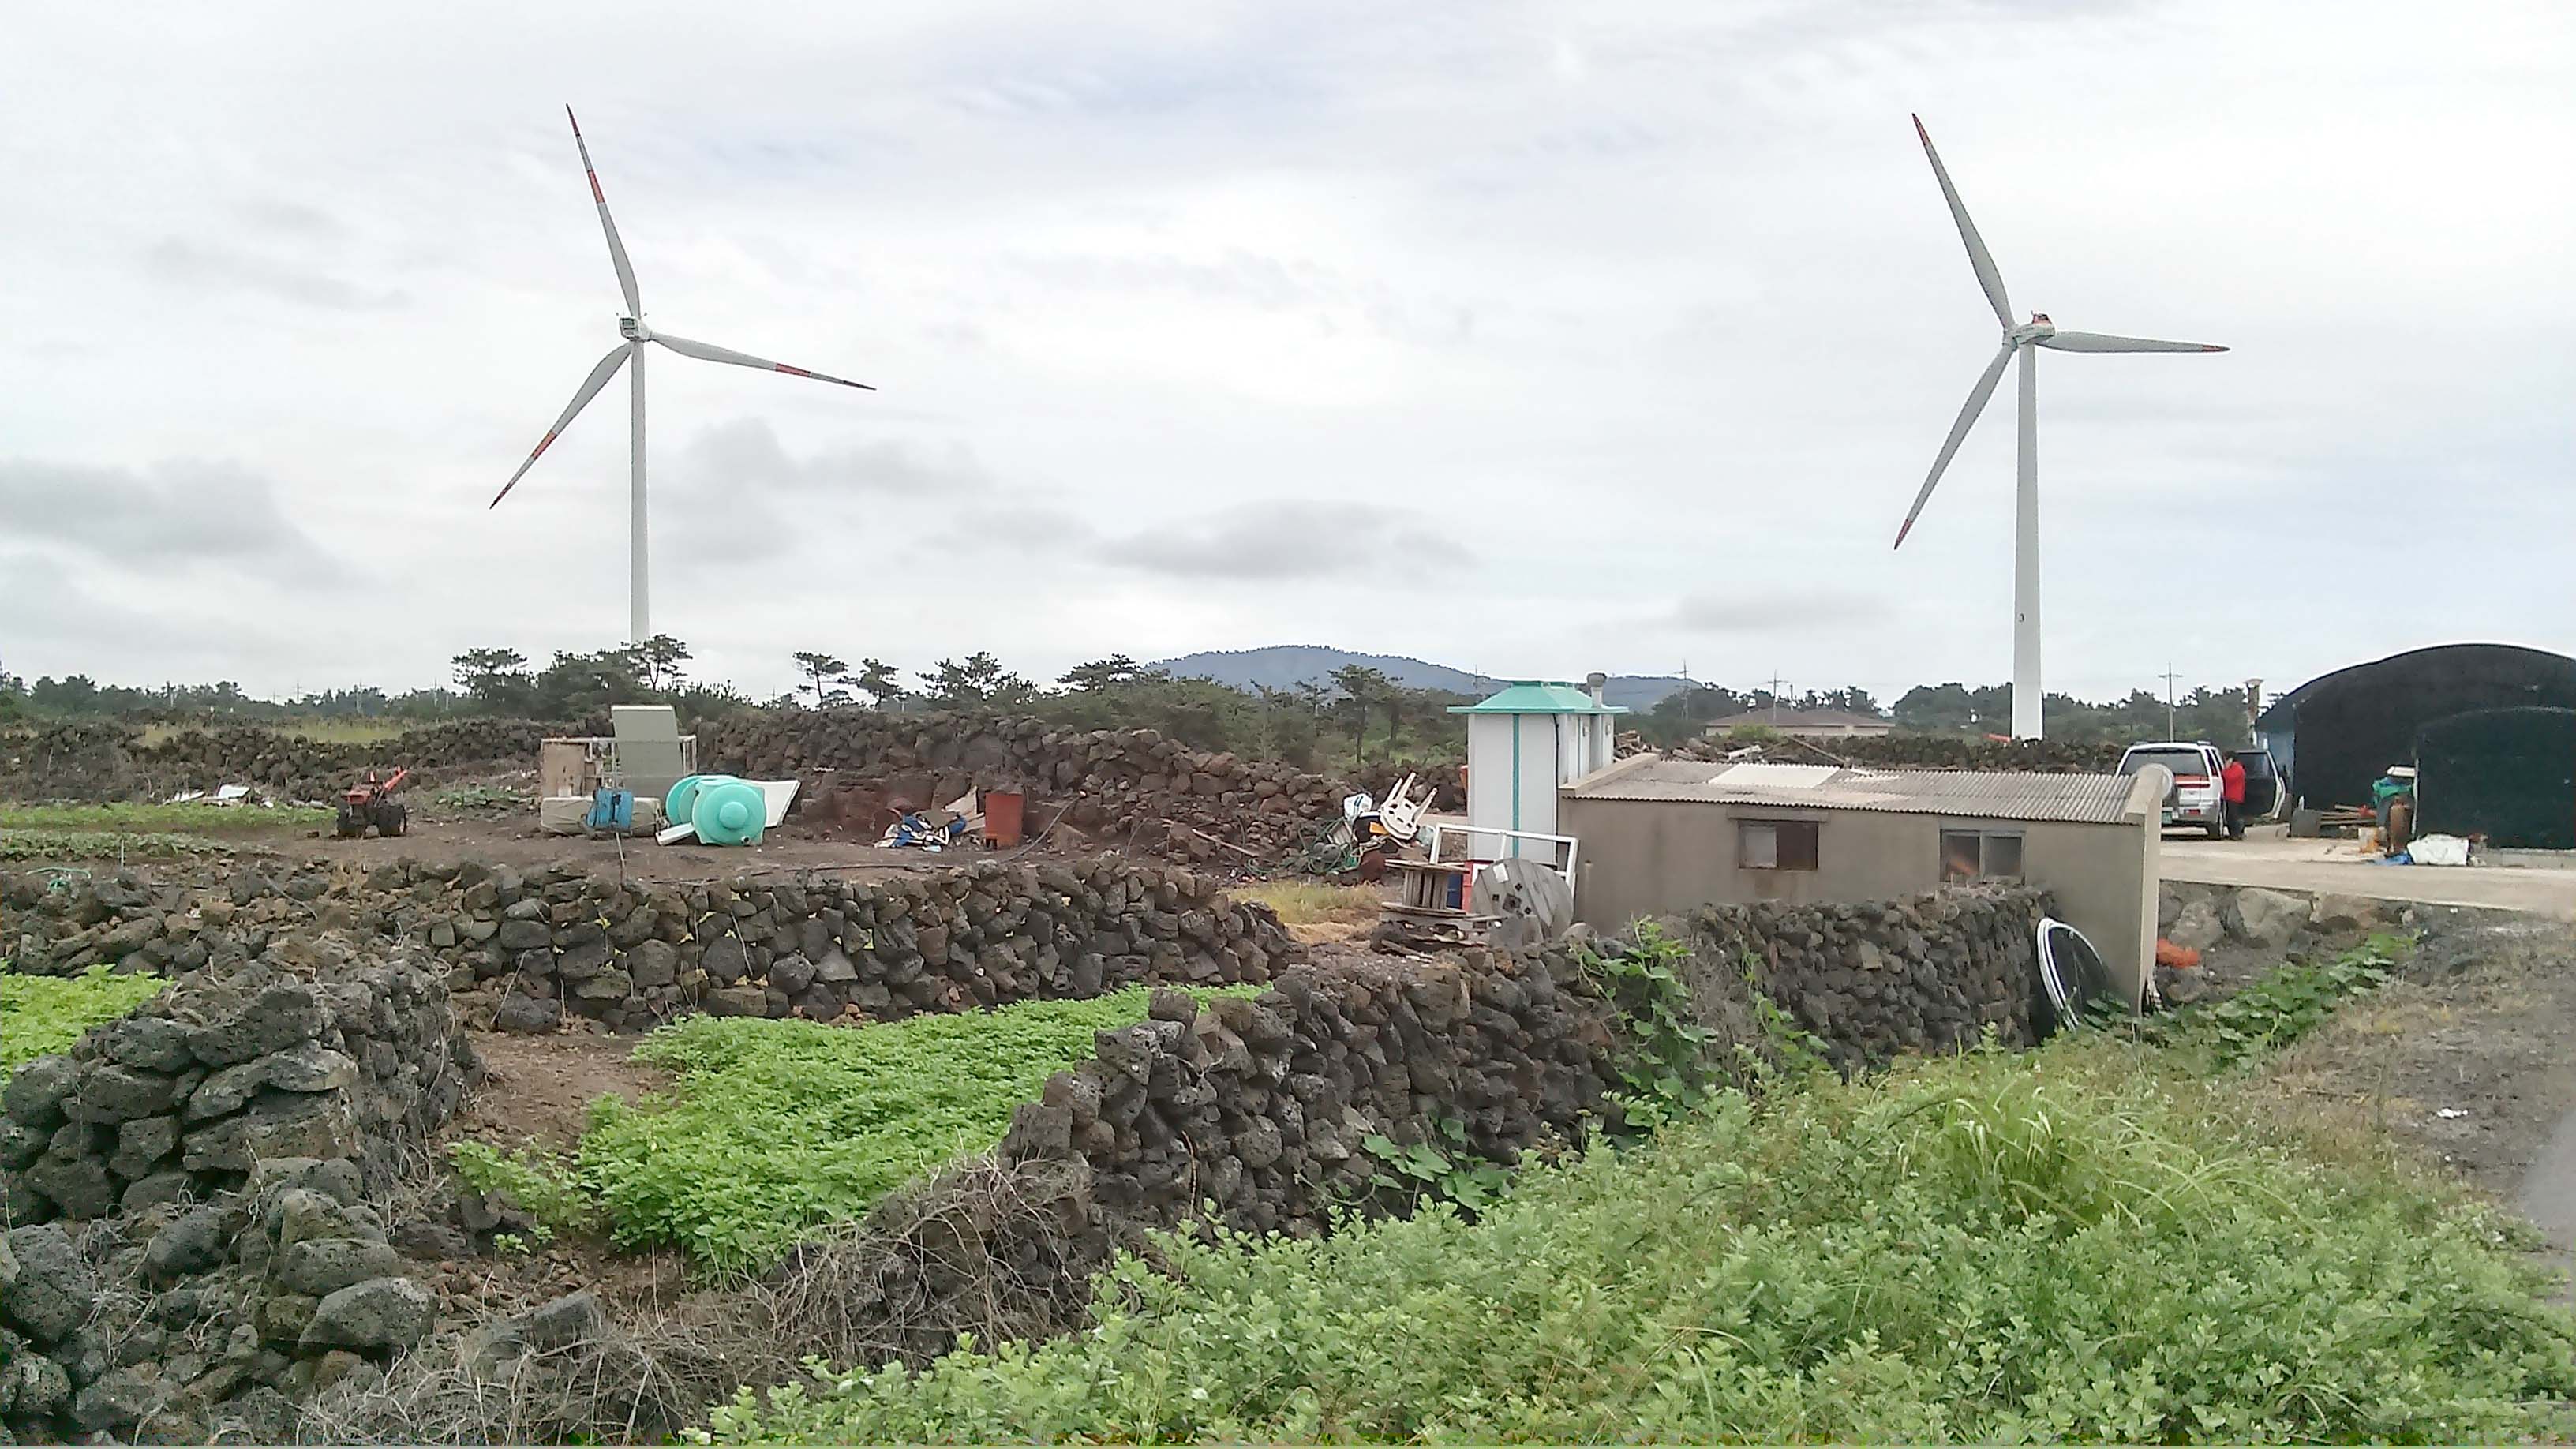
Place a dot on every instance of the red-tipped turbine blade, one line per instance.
(608, 224)
(590, 387)
(709, 352)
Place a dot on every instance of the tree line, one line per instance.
(2219, 716)
(1357, 716)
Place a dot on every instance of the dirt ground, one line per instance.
(537, 1092)
(538, 1089)
(2469, 1059)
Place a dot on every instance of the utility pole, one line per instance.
(1775, 699)
(2168, 676)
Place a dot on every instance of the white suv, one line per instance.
(2195, 798)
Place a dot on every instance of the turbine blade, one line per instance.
(2105, 342)
(1978, 256)
(709, 352)
(1976, 404)
(590, 387)
(608, 224)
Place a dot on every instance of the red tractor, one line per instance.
(371, 802)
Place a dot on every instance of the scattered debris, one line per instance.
(2438, 850)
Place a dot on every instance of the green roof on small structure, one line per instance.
(1540, 696)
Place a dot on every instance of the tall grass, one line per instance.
(1313, 903)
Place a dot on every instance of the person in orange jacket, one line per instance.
(2231, 791)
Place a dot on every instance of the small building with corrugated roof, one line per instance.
(1661, 836)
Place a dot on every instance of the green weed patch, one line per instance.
(2048, 1245)
(104, 845)
(41, 1015)
(776, 1126)
(191, 817)
(2276, 1009)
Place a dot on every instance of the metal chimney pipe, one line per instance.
(1595, 682)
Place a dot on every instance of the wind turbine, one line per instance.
(2019, 340)
(630, 325)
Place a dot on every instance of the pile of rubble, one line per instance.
(1134, 790)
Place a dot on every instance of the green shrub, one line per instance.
(1662, 1059)
(1983, 1247)
(40, 1015)
(775, 1126)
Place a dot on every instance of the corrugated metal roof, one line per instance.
(1539, 696)
(1979, 794)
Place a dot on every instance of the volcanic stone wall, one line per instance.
(982, 936)
(1133, 788)
(1261, 1107)
(1909, 750)
(1930, 972)
(186, 1245)
(194, 1088)
(523, 950)
(112, 761)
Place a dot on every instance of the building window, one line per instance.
(1775, 844)
(1980, 855)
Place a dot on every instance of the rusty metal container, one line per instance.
(1004, 814)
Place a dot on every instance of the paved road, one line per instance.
(2268, 857)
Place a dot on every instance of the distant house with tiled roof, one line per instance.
(1806, 724)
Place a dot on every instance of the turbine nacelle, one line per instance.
(2034, 330)
(634, 330)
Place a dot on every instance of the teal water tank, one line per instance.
(728, 811)
(680, 805)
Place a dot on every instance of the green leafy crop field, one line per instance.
(45, 1014)
(775, 1126)
(194, 817)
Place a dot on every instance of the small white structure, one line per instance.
(1522, 744)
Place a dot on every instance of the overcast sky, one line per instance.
(1532, 339)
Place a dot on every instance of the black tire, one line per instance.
(391, 817)
(2217, 830)
(352, 825)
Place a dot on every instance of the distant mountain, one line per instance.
(1281, 666)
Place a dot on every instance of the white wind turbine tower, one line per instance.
(2019, 340)
(631, 327)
